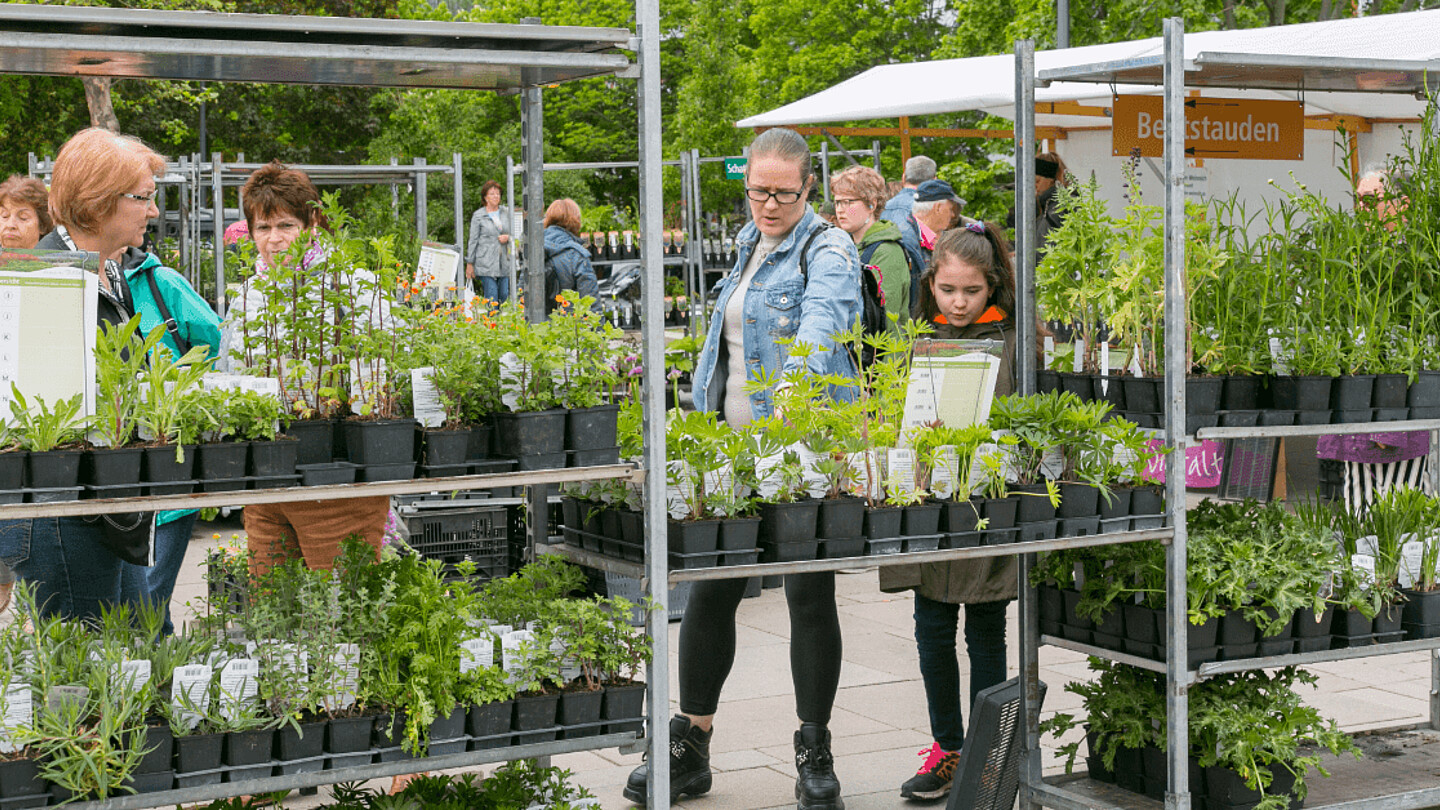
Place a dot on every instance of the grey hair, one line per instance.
(1383, 173)
(785, 144)
(919, 169)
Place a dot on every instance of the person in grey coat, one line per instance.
(487, 256)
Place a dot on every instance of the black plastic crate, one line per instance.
(465, 533)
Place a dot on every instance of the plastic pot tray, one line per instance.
(922, 542)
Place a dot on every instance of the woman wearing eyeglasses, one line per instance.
(967, 293)
(764, 299)
(859, 199)
(102, 196)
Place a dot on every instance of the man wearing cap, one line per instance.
(918, 170)
(937, 208)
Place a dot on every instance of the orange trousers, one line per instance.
(311, 530)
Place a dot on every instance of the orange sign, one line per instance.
(1244, 129)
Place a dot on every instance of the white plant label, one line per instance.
(19, 711)
(767, 476)
(1368, 545)
(428, 410)
(678, 490)
(511, 659)
(987, 455)
(60, 696)
(190, 692)
(1134, 364)
(135, 674)
(1077, 359)
(869, 474)
(569, 669)
(1410, 563)
(1052, 464)
(511, 375)
(501, 630)
(239, 683)
(945, 471)
(477, 653)
(814, 479)
(1364, 567)
(900, 462)
(1279, 358)
(1105, 365)
(345, 678)
(1049, 350)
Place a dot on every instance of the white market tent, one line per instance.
(1074, 116)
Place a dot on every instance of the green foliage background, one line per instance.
(721, 61)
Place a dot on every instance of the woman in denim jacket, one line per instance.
(763, 300)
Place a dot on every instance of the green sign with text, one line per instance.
(735, 168)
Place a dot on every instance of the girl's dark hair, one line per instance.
(485, 189)
(978, 244)
(788, 145)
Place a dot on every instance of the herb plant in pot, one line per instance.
(693, 442)
(532, 427)
(220, 458)
(169, 419)
(259, 418)
(587, 377)
(48, 434)
(1029, 427)
(113, 464)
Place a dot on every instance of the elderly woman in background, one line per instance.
(101, 198)
(487, 260)
(24, 212)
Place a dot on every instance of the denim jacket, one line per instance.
(779, 304)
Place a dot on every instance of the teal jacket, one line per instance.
(196, 321)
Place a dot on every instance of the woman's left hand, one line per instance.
(504, 238)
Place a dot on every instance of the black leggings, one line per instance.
(707, 644)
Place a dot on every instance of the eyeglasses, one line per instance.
(845, 202)
(760, 195)
(144, 198)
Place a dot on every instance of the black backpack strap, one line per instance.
(805, 251)
(171, 326)
(869, 252)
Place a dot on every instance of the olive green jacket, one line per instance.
(984, 579)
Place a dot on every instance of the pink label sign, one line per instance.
(1202, 464)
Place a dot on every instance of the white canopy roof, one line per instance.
(1300, 56)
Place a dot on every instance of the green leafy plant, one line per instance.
(120, 356)
(44, 426)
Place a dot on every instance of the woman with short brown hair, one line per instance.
(567, 262)
(24, 212)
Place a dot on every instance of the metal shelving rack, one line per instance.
(1174, 70)
(201, 46)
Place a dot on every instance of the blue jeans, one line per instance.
(935, 628)
(156, 583)
(74, 575)
(496, 289)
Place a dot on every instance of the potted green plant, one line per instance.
(49, 433)
(259, 419)
(532, 426)
(120, 357)
(588, 377)
(1033, 423)
(491, 698)
(623, 655)
(169, 420)
(220, 456)
(692, 442)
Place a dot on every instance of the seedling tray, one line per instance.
(53, 494)
(836, 549)
(334, 472)
(922, 542)
(892, 545)
(399, 471)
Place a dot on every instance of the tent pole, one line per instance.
(904, 139)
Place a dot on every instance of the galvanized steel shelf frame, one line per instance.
(124, 43)
(1173, 72)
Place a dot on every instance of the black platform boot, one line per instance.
(689, 764)
(816, 787)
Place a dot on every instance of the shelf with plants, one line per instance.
(820, 488)
(1244, 318)
(293, 678)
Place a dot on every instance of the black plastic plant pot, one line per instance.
(380, 441)
(1391, 414)
(199, 752)
(592, 458)
(1421, 607)
(53, 468)
(491, 720)
(530, 433)
(1109, 389)
(1425, 391)
(536, 714)
(1308, 625)
(1032, 503)
(1241, 392)
(1390, 391)
(632, 526)
(543, 461)
(1298, 393)
(794, 522)
(623, 707)
(331, 472)
(591, 428)
(1115, 505)
(570, 511)
(450, 726)
(892, 545)
(689, 536)
(1094, 763)
(1078, 501)
(883, 522)
(396, 471)
(1236, 629)
(1270, 417)
(103, 467)
(1142, 623)
(479, 445)
(1142, 394)
(1070, 598)
(1279, 643)
(1355, 417)
(610, 524)
(794, 552)
(274, 457)
(443, 447)
(972, 539)
(960, 516)
(244, 748)
(739, 534)
(1312, 417)
(161, 467)
(836, 549)
(12, 470)
(1239, 418)
(1352, 392)
(1130, 769)
(1388, 620)
(158, 742)
(315, 440)
(1078, 384)
(999, 512)
(1148, 500)
(349, 735)
(1047, 381)
(1351, 624)
(580, 708)
(840, 518)
(1052, 609)
(221, 460)
(20, 778)
(920, 520)
(1202, 394)
(305, 742)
